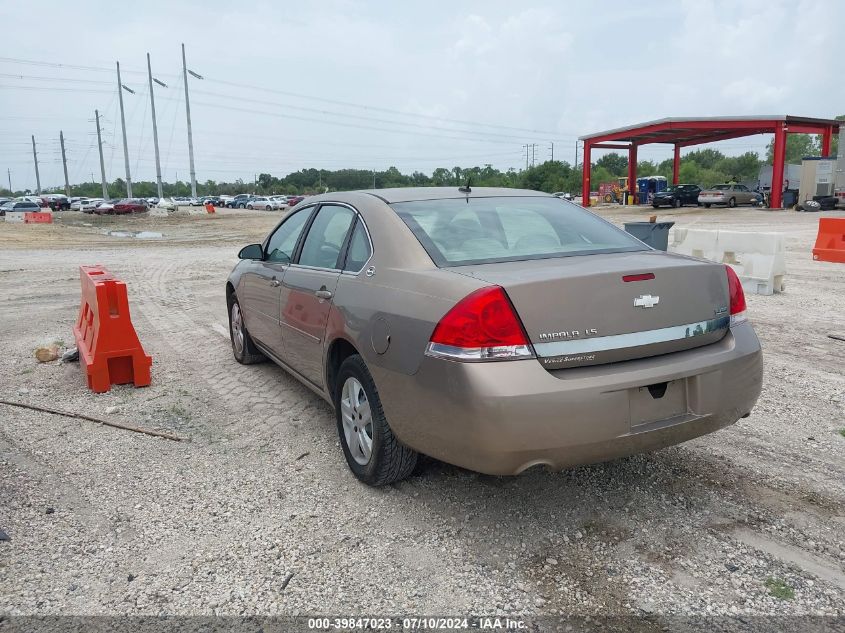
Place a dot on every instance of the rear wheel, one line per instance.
(373, 453)
(242, 345)
(706, 205)
(732, 203)
(655, 206)
(677, 204)
(268, 208)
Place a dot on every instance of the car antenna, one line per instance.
(466, 188)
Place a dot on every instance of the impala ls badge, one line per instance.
(646, 301)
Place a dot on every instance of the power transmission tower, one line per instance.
(155, 127)
(37, 175)
(190, 133)
(64, 161)
(123, 125)
(102, 164)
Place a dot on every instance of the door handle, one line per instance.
(275, 282)
(323, 294)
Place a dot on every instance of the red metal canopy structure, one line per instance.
(683, 132)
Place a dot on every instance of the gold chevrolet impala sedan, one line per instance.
(494, 329)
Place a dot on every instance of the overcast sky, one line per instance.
(435, 83)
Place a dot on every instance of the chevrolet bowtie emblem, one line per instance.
(646, 301)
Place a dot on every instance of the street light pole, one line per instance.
(37, 176)
(190, 133)
(123, 125)
(64, 161)
(102, 163)
(155, 128)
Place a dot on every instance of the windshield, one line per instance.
(463, 231)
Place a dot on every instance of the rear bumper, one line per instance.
(713, 200)
(503, 417)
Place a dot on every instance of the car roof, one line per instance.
(410, 194)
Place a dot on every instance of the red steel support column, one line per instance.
(585, 177)
(632, 172)
(676, 166)
(827, 137)
(776, 195)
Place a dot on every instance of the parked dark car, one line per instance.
(58, 203)
(239, 201)
(677, 196)
(19, 206)
(212, 199)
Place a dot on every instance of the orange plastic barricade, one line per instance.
(830, 243)
(209, 208)
(38, 217)
(109, 350)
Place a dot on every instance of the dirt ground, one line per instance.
(258, 514)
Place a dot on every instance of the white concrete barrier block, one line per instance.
(695, 242)
(758, 259)
(15, 217)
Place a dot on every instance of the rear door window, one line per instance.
(464, 231)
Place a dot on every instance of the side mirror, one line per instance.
(253, 251)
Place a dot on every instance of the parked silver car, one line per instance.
(729, 195)
(495, 329)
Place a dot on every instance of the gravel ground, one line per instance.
(258, 514)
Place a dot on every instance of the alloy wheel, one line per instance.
(237, 329)
(357, 421)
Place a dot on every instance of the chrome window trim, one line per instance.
(633, 339)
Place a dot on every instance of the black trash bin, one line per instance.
(655, 234)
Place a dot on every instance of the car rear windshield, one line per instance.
(463, 231)
(721, 187)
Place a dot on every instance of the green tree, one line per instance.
(797, 147)
(615, 164)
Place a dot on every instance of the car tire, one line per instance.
(268, 208)
(732, 203)
(384, 461)
(241, 206)
(677, 204)
(249, 206)
(243, 347)
(655, 206)
(706, 205)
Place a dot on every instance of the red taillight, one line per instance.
(482, 326)
(737, 297)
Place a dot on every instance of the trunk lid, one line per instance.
(579, 311)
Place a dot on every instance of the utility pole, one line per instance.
(64, 161)
(553, 151)
(374, 179)
(155, 126)
(526, 156)
(102, 164)
(9, 173)
(190, 134)
(37, 176)
(123, 125)
(575, 165)
(533, 154)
